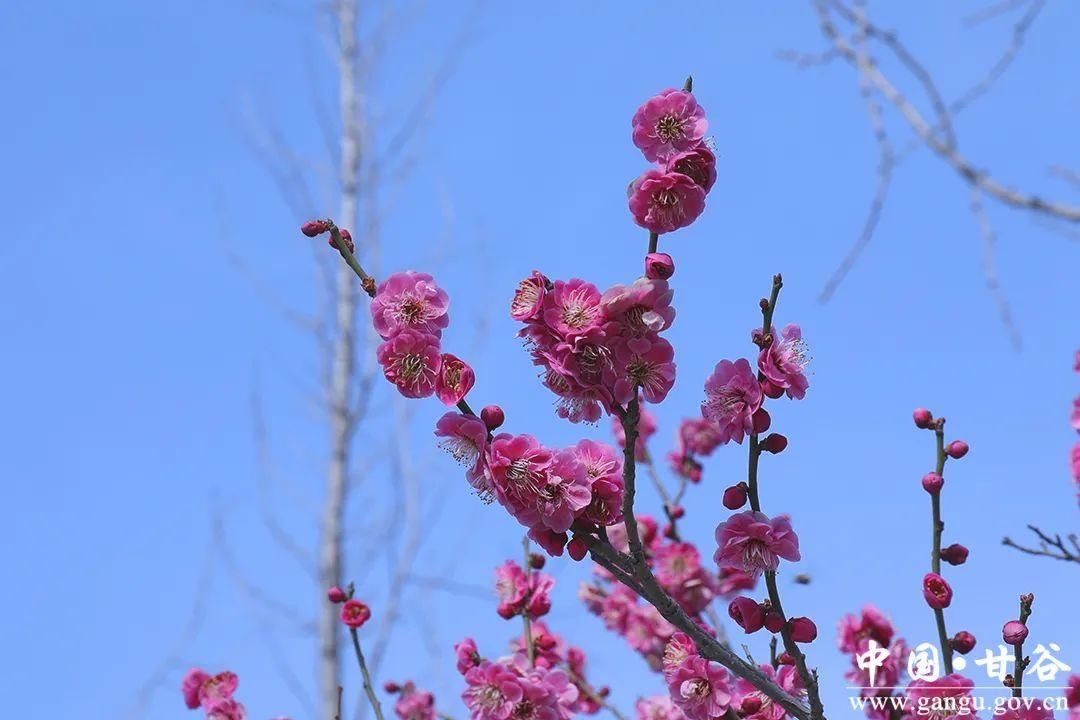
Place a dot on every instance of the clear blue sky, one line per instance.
(134, 344)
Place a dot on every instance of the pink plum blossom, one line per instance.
(191, 687)
(755, 705)
(411, 361)
(783, 362)
(454, 381)
(755, 542)
(572, 307)
(528, 299)
(409, 301)
(521, 592)
(698, 164)
(936, 591)
(225, 709)
(700, 689)
(566, 492)
(467, 655)
(603, 469)
(951, 694)
(668, 123)
(465, 438)
(492, 690)
(638, 309)
(855, 631)
(657, 707)
(647, 364)
(664, 202)
(415, 704)
(732, 396)
(519, 466)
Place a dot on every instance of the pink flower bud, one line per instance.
(771, 390)
(963, 642)
(336, 595)
(536, 561)
(1014, 632)
(774, 621)
(314, 228)
(355, 613)
(577, 549)
(936, 591)
(747, 614)
(735, 496)
(774, 443)
(669, 532)
(954, 554)
(391, 687)
(677, 512)
(493, 416)
(659, 266)
(932, 483)
(803, 630)
(761, 421)
(785, 659)
(750, 706)
(922, 417)
(347, 237)
(957, 449)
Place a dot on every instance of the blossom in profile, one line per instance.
(454, 381)
(409, 300)
(528, 298)
(668, 123)
(664, 202)
(465, 438)
(756, 543)
(784, 361)
(698, 164)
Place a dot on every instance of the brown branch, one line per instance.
(1051, 547)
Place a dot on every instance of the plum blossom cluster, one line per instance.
(669, 129)
(213, 694)
(409, 312)
(597, 350)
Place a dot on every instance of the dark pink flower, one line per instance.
(936, 591)
(955, 554)
(522, 593)
(411, 360)
(698, 164)
(467, 655)
(454, 381)
(465, 438)
(1014, 632)
(700, 688)
(354, 614)
(754, 705)
(1024, 711)
(572, 307)
(677, 651)
(217, 688)
(657, 707)
(732, 396)
(755, 542)
(962, 642)
(492, 690)
(639, 309)
(552, 542)
(336, 595)
(734, 580)
(784, 361)
(668, 123)
(645, 364)
(855, 631)
(566, 493)
(659, 266)
(415, 704)
(603, 469)
(409, 301)
(664, 202)
(225, 709)
(735, 496)
(951, 694)
(519, 466)
(191, 687)
(529, 298)
(747, 614)
(803, 630)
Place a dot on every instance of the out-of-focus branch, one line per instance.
(1052, 547)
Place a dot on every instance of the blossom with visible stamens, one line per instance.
(572, 307)
(603, 469)
(565, 493)
(753, 541)
(732, 396)
(528, 299)
(519, 466)
(465, 438)
(409, 301)
(936, 591)
(664, 202)
(755, 705)
(454, 381)
(700, 688)
(698, 164)
(411, 360)
(641, 308)
(784, 361)
(492, 690)
(668, 123)
(647, 364)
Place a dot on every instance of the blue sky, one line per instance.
(136, 340)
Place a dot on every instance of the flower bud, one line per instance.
(922, 417)
(955, 554)
(669, 532)
(775, 443)
(391, 687)
(747, 614)
(336, 595)
(577, 548)
(1014, 632)
(735, 496)
(676, 512)
(314, 228)
(803, 630)
(771, 390)
(659, 266)
(956, 449)
(750, 705)
(493, 416)
(932, 483)
(347, 237)
(963, 642)
(355, 613)
(774, 621)
(761, 421)
(785, 659)
(536, 561)
(936, 591)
